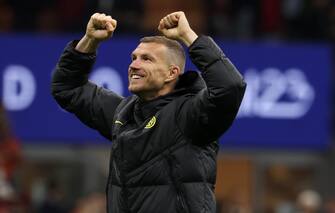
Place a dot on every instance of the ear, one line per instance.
(174, 72)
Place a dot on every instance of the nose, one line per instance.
(135, 64)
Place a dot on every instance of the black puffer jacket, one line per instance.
(163, 156)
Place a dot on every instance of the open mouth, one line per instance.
(136, 76)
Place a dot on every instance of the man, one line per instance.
(163, 156)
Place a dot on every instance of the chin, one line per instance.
(134, 90)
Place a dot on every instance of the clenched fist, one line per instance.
(99, 28)
(175, 26)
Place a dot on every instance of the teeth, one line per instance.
(135, 76)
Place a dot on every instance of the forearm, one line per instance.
(74, 93)
(72, 69)
(189, 37)
(87, 45)
(217, 70)
(213, 109)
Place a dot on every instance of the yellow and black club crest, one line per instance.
(151, 123)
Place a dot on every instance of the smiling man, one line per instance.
(163, 155)
(156, 65)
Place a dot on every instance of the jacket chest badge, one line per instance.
(151, 123)
(118, 122)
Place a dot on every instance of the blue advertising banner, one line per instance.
(286, 104)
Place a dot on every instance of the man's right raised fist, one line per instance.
(100, 27)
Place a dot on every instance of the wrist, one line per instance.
(87, 45)
(189, 37)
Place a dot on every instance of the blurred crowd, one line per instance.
(17, 199)
(10, 157)
(238, 19)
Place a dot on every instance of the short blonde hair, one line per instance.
(175, 48)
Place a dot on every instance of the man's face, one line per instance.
(148, 70)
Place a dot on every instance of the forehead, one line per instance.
(151, 48)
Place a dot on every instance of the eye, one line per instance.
(133, 57)
(146, 58)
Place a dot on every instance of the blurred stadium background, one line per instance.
(278, 157)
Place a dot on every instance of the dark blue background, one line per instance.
(45, 122)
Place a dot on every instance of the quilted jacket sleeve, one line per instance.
(70, 87)
(211, 112)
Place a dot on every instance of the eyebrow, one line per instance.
(143, 55)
